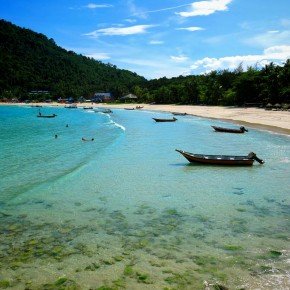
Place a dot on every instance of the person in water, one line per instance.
(67, 125)
(55, 136)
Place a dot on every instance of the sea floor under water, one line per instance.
(133, 214)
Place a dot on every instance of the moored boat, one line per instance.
(179, 114)
(247, 160)
(85, 139)
(139, 107)
(46, 116)
(242, 129)
(88, 108)
(105, 111)
(71, 107)
(129, 108)
(164, 120)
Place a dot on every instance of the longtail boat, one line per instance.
(242, 129)
(164, 120)
(179, 114)
(103, 110)
(88, 108)
(46, 116)
(129, 108)
(84, 139)
(221, 159)
(107, 111)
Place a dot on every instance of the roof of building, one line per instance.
(130, 96)
(102, 94)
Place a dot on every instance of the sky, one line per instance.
(162, 38)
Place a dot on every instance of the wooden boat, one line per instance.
(221, 159)
(71, 107)
(165, 120)
(242, 129)
(139, 107)
(46, 116)
(179, 114)
(105, 111)
(84, 139)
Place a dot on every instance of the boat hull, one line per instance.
(164, 120)
(218, 159)
(228, 130)
(179, 114)
(52, 116)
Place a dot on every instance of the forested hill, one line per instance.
(30, 61)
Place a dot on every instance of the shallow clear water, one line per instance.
(127, 211)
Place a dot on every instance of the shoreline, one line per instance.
(274, 121)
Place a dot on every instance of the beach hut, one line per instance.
(102, 97)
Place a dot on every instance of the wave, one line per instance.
(120, 126)
(116, 124)
(111, 122)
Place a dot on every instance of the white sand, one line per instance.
(277, 121)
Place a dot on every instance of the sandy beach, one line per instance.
(275, 121)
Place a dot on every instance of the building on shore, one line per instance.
(129, 98)
(102, 97)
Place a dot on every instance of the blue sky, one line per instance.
(162, 38)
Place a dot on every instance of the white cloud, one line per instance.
(130, 20)
(270, 38)
(99, 56)
(204, 8)
(179, 58)
(156, 42)
(134, 10)
(96, 6)
(191, 28)
(130, 30)
(271, 54)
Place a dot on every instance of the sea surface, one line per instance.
(126, 211)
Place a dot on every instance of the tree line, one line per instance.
(30, 61)
(270, 84)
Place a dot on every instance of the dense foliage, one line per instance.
(30, 61)
(270, 84)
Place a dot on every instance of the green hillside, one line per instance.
(30, 61)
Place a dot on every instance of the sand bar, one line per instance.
(275, 121)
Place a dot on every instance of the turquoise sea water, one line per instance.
(128, 212)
